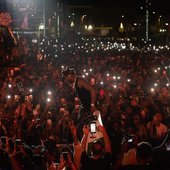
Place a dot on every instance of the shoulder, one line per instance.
(81, 81)
(163, 126)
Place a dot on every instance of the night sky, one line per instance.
(159, 6)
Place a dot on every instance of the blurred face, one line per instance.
(70, 79)
(136, 119)
(15, 52)
(164, 90)
(133, 102)
(129, 110)
(97, 149)
(63, 101)
(92, 81)
(159, 117)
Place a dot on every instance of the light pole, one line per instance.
(44, 18)
(58, 18)
(147, 22)
(82, 19)
(40, 28)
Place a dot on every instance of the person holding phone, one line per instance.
(101, 157)
(66, 162)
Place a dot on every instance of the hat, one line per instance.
(68, 70)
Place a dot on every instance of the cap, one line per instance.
(68, 70)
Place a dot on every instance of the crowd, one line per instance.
(39, 112)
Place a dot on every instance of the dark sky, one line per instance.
(160, 6)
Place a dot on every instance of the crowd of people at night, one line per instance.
(39, 111)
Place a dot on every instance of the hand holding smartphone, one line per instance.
(93, 127)
(65, 156)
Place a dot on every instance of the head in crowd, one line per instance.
(97, 149)
(4, 160)
(68, 75)
(144, 153)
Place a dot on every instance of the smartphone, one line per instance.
(3, 142)
(18, 141)
(130, 139)
(48, 100)
(93, 128)
(168, 147)
(65, 156)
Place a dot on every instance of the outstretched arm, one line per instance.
(84, 139)
(106, 139)
(86, 85)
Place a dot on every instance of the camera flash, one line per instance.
(48, 100)
(152, 89)
(8, 96)
(49, 92)
(115, 86)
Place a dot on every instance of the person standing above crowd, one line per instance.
(85, 92)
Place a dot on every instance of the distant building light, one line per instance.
(121, 28)
(34, 41)
(121, 25)
(162, 30)
(90, 28)
(72, 24)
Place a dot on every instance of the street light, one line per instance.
(90, 28)
(40, 28)
(82, 19)
(121, 28)
(72, 24)
(147, 20)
